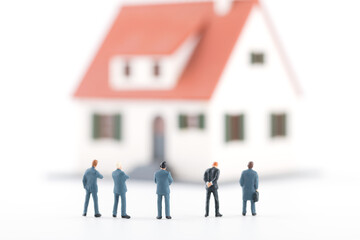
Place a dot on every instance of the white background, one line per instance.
(46, 47)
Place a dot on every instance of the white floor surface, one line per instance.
(296, 208)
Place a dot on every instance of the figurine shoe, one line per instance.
(126, 216)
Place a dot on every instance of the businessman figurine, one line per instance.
(211, 177)
(120, 189)
(249, 182)
(90, 184)
(163, 180)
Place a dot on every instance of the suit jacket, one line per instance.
(212, 175)
(249, 181)
(119, 178)
(90, 179)
(163, 181)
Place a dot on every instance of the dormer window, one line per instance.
(127, 70)
(257, 58)
(156, 69)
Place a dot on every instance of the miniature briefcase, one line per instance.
(256, 196)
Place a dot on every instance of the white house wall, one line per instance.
(256, 91)
(186, 150)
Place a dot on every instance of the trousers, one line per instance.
(95, 199)
(116, 203)
(253, 211)
(167, 204)
(214, 191)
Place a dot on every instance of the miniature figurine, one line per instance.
(120, 189)
(249, 182)
(211, 177)
(90, 184)
(163, 180)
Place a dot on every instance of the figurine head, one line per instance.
(163, 165)
(250, 165)
(215, 164)
(118, 165)
(94, 163)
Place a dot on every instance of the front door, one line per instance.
(158, 140)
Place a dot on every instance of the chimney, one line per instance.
(222, 7)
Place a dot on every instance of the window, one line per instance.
(257, 58)
(107, 126)
(278, 125)
(156, 69)
(127, 70)
(192, 121)
(234, 127)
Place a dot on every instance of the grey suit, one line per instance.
(120, 189)
(90, 184)
(249, 181)
(163, 181)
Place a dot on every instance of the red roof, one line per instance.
(160, 30)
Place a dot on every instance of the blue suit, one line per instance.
(163, 180)
(120, 189)
(249, 181)
(90, 184)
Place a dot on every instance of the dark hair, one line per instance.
(163, 164)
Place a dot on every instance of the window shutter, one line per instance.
(201, 121)
(273, 125)
(117, 127)
(182, 121)
(96, 126)
(227, 128)
(241, 127)
(284, 125)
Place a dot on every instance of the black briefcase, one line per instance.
(256, 196)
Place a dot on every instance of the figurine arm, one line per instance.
(242, 180)
(126, 176)
(84, 181)
(206, 177)
(216, 177)
(170, 178)
(98, 175)
(256, 185)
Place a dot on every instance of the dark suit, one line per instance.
(212, 175)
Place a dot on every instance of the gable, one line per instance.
(244, 83)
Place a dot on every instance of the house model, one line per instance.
(190, 83)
